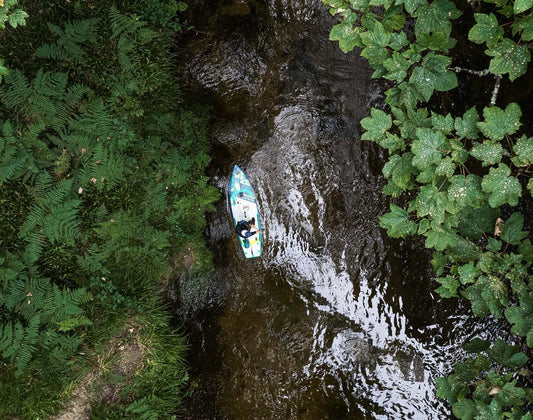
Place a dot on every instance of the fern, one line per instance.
(95, 119)
(18, 342)
(17, 90)
(71, 41)
(53, 217)
(15, 160)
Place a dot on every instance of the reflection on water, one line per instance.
(335, 320)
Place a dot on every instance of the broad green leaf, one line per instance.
(512, 232)
(459, 153)
(524, 151)
(435, 17)
(440, 239)
(521, 317)
(430, 201)
(468, 273)
(467, 126)
(411, 5)
(492, 411)
(398, 41)
(433, 75)
(530, 185)
(392, 189)
(393, 19)
(400, 170)
(479, 306)
(349, 36)
(488, 152)
(396, 67)
(443, 123)
(495, 294)
(405, 95)
(436, 41)
(494, 245)
(511, 394)
(499, 122)
(446, 167)
(521, 6)
(501, 187)
(376, 125)
(466, 191)
(397, 222)
(444, 389)
(439, 262)
(486, 29)
(17, 18)
(509, 57)
(476, 345)
(507, 355)
(428, 148)
(463, 251)
(448, 286)
(464, 409)
(379, 37)
(392, 142)
(524, 25)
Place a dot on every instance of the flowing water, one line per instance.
(335, 320)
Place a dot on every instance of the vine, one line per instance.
(462, 177)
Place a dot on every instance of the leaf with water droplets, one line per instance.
(488, 152)
(498, 122)
(435, 17)
(509, 58)
(466, 191)
(428, 147)
(442, 123)
(524, 151)
(376, 125)
(503, 188)
(433, 75)
(486, 29)
(524, 25)
(468, 274)
(411, 5)
(348, 36)
(467, 126)
(430, 201)
(521, 6)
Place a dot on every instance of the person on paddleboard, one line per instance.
(244, 228)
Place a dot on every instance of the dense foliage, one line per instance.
(458, 178)
(102, 191)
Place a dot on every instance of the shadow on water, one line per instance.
(335, 320)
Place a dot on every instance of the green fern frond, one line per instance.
(124, 24)
(62, 224)
(16, 90)
(50, 84)
(94, 119)
(71, 40)
(58, 193)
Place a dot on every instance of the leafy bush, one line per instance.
(462, 177)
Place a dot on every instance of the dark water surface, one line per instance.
(336, 320)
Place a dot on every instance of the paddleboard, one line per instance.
(243, 203)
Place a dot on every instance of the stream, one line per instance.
(335, 320)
